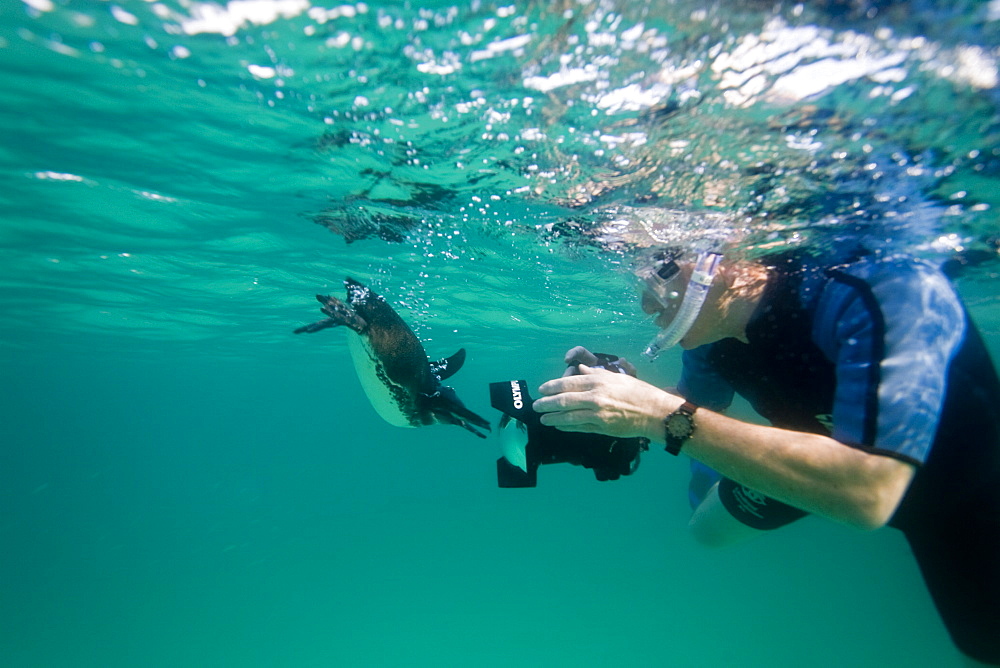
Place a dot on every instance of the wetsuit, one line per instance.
(881, 356)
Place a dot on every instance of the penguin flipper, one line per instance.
(340, 314)
(317, 326)
(449, 366)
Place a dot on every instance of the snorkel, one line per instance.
(705, 267)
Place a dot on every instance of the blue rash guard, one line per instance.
(881, 356)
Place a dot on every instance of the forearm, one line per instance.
(808, 471)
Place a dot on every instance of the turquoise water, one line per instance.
(183, 482)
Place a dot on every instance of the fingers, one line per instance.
(568, 413)
(563, 402)
(579, 355)
(580, 382)
(570, 421)
(572, 396)
(578, 370)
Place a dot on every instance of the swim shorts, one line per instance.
(754, 509)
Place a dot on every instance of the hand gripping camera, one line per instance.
(531, 444)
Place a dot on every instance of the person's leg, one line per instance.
(960, 562)
(731, 513)
(712, 525)
(702, 480)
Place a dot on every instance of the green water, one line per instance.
(191, 511)
(183, 482)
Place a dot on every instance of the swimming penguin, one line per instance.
(403, 386)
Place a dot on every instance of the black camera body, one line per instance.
(531, 444)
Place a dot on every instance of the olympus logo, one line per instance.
(515, 391)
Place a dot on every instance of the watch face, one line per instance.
(680, 426)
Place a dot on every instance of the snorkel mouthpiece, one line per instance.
(694, 298)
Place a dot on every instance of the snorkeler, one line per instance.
(883, 403)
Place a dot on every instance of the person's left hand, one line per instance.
(602, 402)
(580, 355)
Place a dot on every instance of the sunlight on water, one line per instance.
(491, 138)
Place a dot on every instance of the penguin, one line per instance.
(402, 384)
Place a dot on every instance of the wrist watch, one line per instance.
(678, 427)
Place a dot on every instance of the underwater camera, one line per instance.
(531, 444)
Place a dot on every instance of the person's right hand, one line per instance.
(599, 401)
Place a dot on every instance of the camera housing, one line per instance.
(530, 444)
